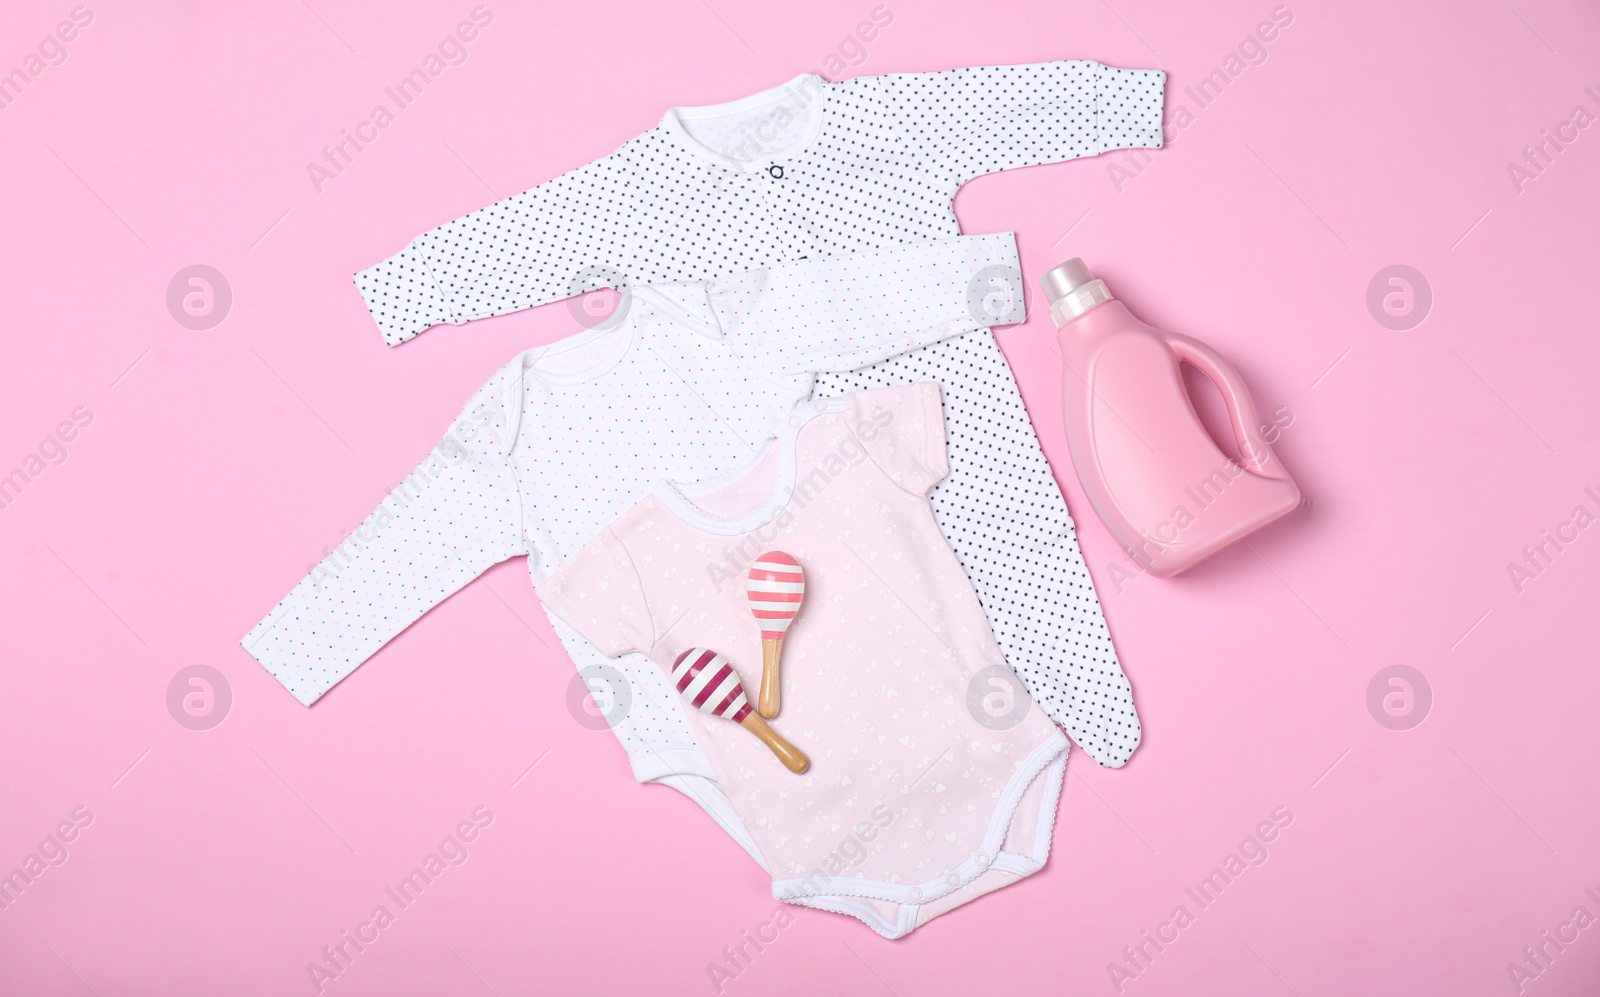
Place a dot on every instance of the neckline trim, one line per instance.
(623, 327)
(678, 497)
(673, 123)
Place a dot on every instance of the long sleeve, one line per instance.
(450, 520)
(561, 238)
(843, 313)
(963, 123)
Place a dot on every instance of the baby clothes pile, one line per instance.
(804, 353)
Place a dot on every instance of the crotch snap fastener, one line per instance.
(775, 171)
(915, 893)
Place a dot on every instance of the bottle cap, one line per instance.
(1072, 290)
(1065, 279)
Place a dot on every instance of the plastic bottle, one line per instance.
(1151, 470)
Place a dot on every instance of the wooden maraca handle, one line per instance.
(771, 651)
(792, 757)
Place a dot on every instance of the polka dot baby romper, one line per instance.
(813, 169)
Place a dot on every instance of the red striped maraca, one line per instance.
(776, 587)
(711, 684)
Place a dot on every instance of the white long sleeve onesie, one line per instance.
(562, 440)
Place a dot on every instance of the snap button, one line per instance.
(983, 858)
(775, 171)
(915, 893)
(819, 405)
(794, 420)
(953, 879)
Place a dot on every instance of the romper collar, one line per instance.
(679, 497)
(808, 88)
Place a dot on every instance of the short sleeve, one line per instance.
(902, 428)
(598, 593)
(963, 123)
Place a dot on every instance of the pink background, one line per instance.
(220, 463)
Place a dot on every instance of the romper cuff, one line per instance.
(402, 295)
(1127, 106)
(283, 664)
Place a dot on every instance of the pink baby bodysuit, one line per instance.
(920, 796)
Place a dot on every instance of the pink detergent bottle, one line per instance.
(1147, 463)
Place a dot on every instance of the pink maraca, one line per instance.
(711, 684)
(776, 587)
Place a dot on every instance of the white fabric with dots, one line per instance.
(813, 169)
(690, 380)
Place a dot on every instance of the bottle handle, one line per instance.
(1254, 451)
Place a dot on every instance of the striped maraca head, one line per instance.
(710, 683)
(776, 587)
